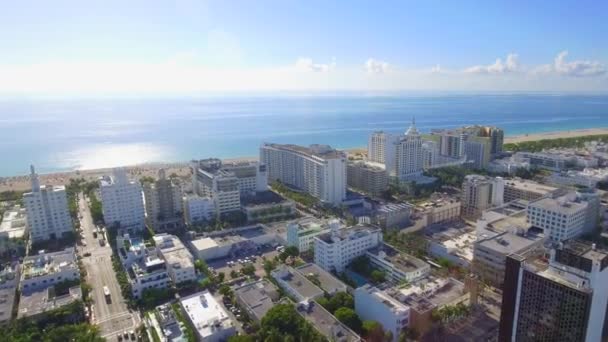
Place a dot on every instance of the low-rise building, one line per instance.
(35, 305)
(588, 177)
(398, 266)
(178, 258)
(267, 206)
(228, 242)
(301, 233)
(325, 323)
(257, 298)
(334, 250)
(295, 284)
(7, 302)
(490, 254)
(374, 304)
(428, 294)
(325, 280)
(44, 270)
(14, 223)
(453, 242)
(523, 189)
(368, 177)
(561, 218)
(393, 215)
(441, 209)
(210, 320)
(149, 273)
(198, 209)
(166, 324)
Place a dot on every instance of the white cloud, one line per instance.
(306, 64)
(374, 66)
(511, 64)
(436, 69)
(577, 68)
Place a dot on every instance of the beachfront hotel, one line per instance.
(318, 170)
(122, 201)
(48, 216)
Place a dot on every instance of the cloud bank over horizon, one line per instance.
(185, 72)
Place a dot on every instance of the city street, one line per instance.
(112, 317)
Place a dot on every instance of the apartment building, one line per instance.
(301, 233)
(48, 216)
(318, 170)
(198, 209)
(210, 180)
(441, 209)
(397, 266)
(39, 272)
(368, 177)
(163, 203)
(373, 304)
(527, 190)
(179, 260)
(210, 320)
(480, 193)
(122, 201)
(564, 299)
(381, 149)
(409, 160)
(335, 249)
(393, 215)
(561, 218)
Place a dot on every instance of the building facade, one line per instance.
(381, 149)
(527, 190)
(334, 250)
(48, 216)
(409, 160)
(367, 177)
(122, 201)
(373, 304)
(480, 193)
(562, 300)
(318, 170)
(198, 209)
(163, 202)
(301, 233)
(561, 218)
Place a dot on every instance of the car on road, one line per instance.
(95, 235)
(102, 242)
(87, 254)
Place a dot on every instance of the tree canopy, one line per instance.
(283, 323)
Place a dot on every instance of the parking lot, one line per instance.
(236, 263)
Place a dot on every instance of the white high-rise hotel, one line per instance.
(122, 201)
(319, 170)
(48, 216)
(401, 154)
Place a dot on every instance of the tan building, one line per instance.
(443, 209)
(480, 193)
(368, 177)
(526, 190)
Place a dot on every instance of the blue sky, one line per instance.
(191, 46)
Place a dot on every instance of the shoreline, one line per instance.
(21, 183)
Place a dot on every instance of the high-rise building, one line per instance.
(318, 170)
(477, 143)
(480, 193)
(562, 300)
(409, 159)
(381, 148)
(48, 216)
(226, 183)
(122, 201)
(163, 203)
(368, 177)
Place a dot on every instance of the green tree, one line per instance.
(248, 269)
(378, 276)
(336, 301)
(372, 331)
(234, 274)
(242, 338)
(348, 317)
(283, 323)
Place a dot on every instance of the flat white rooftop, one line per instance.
(206, 314)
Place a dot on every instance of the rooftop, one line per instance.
(352, 233)
(559, 205)
(320, 151)
(13, 222)
(259, 296)
(297, 282)
(7, 300)
(326, 323)
(392, 207)
(48, 263)
(368, 165)
(327, 281)
(509, 242)
(401, 261)
(429, 293)
(205, 313)
(528, 185)
(34, 303)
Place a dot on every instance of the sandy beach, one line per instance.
(555, 135)
(20, 183)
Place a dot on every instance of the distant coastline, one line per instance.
(21, 183)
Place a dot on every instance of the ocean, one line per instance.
(60, 134)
